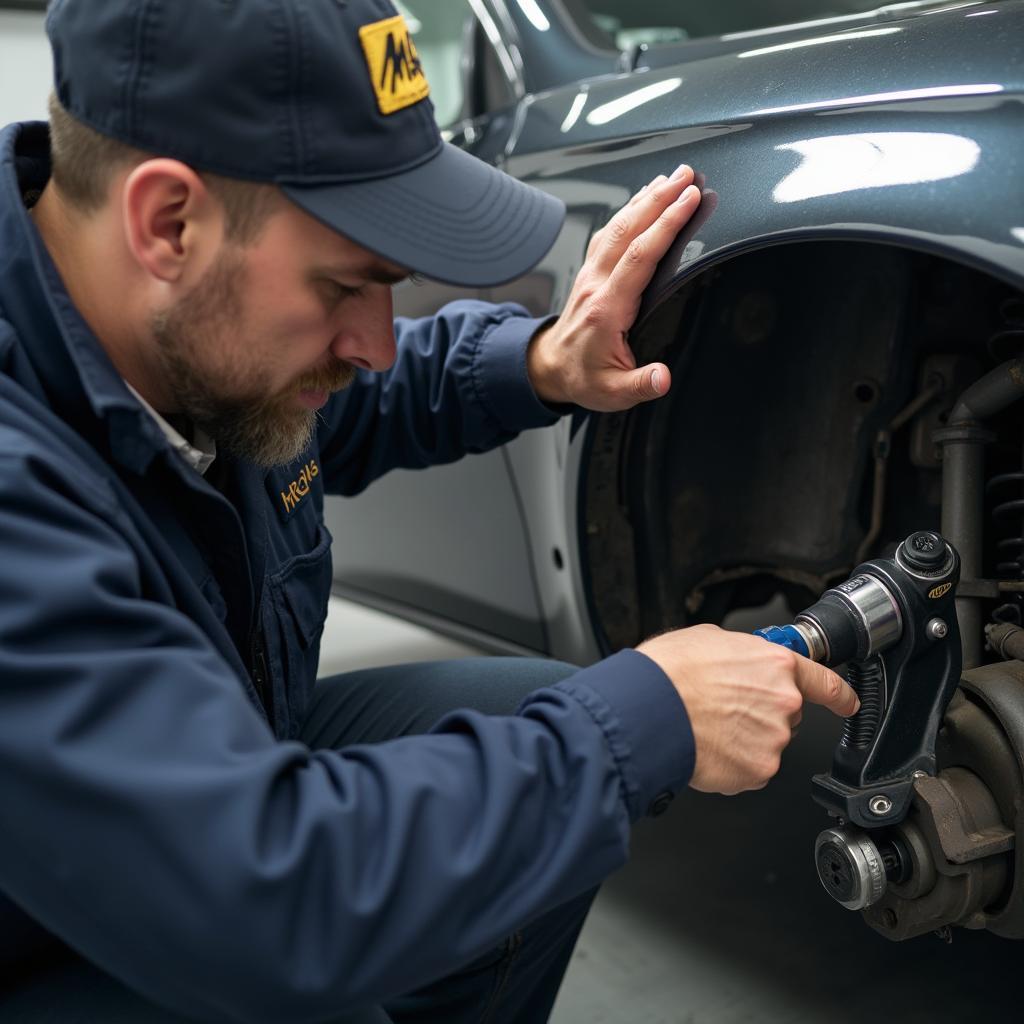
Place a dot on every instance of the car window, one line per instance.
(625, 23)
(438, 32)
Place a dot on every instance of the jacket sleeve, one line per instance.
(459, 385)
(151, 820)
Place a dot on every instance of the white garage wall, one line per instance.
(25, 67)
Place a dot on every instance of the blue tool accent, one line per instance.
(784, 636)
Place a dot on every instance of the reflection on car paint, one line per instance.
(534, 14)
(578, 103)
(840, 18)
(932, 92)
(844, 163)
(799, 44)
(638, 97)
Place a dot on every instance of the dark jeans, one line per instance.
(515, 983)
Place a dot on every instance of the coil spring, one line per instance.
(1009, 565)
(868, 681)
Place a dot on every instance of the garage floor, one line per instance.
(719, 917)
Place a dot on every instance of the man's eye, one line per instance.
(336, 291)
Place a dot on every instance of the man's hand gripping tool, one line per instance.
(893, 623)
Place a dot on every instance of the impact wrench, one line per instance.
(893, 624)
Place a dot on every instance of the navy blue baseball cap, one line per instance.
(325, 98)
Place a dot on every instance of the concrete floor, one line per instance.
(719, 917)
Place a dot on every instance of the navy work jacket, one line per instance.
(158, 644)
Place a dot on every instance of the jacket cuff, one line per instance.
(645, 724)
(502, 380)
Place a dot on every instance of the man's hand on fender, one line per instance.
(584, 357)
(744, 697)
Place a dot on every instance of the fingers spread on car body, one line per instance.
(636, 265)
(642, 211)
(584, 357)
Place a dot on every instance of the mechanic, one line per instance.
(197, 344)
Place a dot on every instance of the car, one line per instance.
(844, 322)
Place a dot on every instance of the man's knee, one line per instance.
(497, 686)
(372, 705)
(492, 686)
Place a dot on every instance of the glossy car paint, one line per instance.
(896, 132)
(901, 131)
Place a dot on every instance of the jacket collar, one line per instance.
(81, 383)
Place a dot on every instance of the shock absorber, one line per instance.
(893, 624)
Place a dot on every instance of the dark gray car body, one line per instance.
(897, 132)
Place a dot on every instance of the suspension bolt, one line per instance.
(937, 629)
(921, 775)
(880, 804)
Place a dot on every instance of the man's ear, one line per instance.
(170, 218)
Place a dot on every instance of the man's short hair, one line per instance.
(84, 162)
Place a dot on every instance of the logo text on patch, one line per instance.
(299, 487)
(395, 69)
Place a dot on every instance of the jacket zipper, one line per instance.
(260, 675)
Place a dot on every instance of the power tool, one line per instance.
(893, 625)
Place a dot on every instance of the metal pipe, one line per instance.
(992, 393)
(963, 468)
(883, 448)
(1007, 640)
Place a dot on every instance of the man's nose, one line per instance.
(367, 338)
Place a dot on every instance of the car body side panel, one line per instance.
(863, 146)
(945, 52)
(451, 548)
(897, 136)
(548, 464)
(933, 175)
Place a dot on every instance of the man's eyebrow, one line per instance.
(382, 276)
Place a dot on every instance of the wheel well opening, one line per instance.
(796, 440)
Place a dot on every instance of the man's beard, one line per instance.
(245, 421)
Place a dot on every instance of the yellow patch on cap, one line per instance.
(395, 70)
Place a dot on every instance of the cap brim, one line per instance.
(453, 218)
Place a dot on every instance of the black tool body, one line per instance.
(893, 624)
